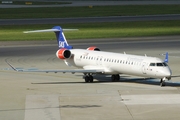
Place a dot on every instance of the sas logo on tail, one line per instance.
(61, 44)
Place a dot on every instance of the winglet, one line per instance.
(13, 67)
(166, 59)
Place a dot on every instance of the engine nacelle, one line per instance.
(93, 48)
(63, 53)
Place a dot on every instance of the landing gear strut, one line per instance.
(162, 83)
(115, 78)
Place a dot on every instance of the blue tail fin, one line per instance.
(166, 58)
(61, 39)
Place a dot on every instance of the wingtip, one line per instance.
(11, 66)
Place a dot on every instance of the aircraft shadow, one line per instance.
(124, 79)
(60, 106)
(148, 81)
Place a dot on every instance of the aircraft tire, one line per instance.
(117, 77)
(113, 78)
(87, 79)
(91, 78)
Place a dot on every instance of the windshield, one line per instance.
(158, 64)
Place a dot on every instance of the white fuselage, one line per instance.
(116, 63)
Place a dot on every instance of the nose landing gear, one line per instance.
(162, 83)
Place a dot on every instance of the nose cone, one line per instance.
(166, 72)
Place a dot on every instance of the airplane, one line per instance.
(92, 61)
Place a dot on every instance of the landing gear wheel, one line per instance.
(115, 78)
(91, 78)
(86, 78)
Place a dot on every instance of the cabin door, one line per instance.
(144, 68)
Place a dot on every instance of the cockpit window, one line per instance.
(159, 64)
(152, 64)
(165, 64)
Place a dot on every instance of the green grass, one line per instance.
(37, 3)
(94, 30)
(95, 11)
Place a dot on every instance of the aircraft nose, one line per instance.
(167, 73)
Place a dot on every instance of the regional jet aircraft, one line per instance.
(92, 61)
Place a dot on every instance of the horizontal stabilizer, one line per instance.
(48, 30)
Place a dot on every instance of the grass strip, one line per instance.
(94, 11)
(39, 3)
(93, 30)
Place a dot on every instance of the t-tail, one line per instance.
(61, 39)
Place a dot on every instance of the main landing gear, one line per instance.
(88, 78)
(115, 78)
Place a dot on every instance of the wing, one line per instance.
(58, 70)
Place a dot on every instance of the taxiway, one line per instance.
(42, 96)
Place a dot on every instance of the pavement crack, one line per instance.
(129, 112)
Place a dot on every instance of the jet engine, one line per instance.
(63, 53)
(93, 48)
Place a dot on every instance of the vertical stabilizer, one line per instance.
(166, 59)
(61, 39)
